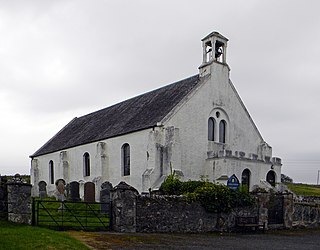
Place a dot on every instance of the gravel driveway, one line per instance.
(294, 239)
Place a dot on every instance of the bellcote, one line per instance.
(214, 50)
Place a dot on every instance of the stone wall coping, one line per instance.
(124, 186)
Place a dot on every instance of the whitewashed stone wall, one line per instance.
(179, 142)
(105, 162)
(218, 94)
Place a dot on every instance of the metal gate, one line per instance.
(275, 209)
(64, 215)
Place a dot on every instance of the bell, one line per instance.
(218, 52)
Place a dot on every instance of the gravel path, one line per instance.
(295, 239)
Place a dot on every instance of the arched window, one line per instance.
(271, 178)
(86, 164)
(222, 131)
(125, 153)
(245, 179)
(51, 172)
(211, 126)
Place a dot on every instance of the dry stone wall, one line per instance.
(175, 214)
(19, 202)
(306, 215)
(157, 213)
(134, 212)
(3, 199)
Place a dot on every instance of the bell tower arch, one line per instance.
(214, 50)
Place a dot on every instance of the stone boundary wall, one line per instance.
(306, 215)
(176, 214)
(3, 200)
(19, 203)
(15, 200)
(133, 212)
(156, 213)
(307, 199)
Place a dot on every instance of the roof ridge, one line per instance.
(137, 96)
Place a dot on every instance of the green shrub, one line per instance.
(241, 198)
(215, 198)
(171, 186)
(191, 186)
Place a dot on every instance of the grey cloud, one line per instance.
(60, 59)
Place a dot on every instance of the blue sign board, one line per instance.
(233, 182)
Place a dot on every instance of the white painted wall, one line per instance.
(107, 170)
(217, 93)
(182, 137)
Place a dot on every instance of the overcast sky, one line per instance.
(65, 58)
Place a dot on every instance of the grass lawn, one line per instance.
(16, 236)
(304, 189)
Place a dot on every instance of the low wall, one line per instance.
(156, 213)
(176, 214)
(19, 203)
(306, 214)
(3, 201)
(132, 212)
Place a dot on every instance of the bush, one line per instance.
(171, 186)
(241, 198)
(215, 198)
(191, 186)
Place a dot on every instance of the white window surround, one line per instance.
(219, 115)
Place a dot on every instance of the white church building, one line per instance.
(197, 128)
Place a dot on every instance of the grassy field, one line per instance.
(13, 236)
(304, 189)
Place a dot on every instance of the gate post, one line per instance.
(263, 199)
(288, 210)
(124, 199)
(19, 201)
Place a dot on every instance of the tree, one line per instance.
(286, 179)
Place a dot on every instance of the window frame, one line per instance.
(246, 178)
(51, 172)
(222, 131)
(125, 159)
(86, 164)
(211, 129)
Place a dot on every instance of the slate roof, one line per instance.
(138, 113)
